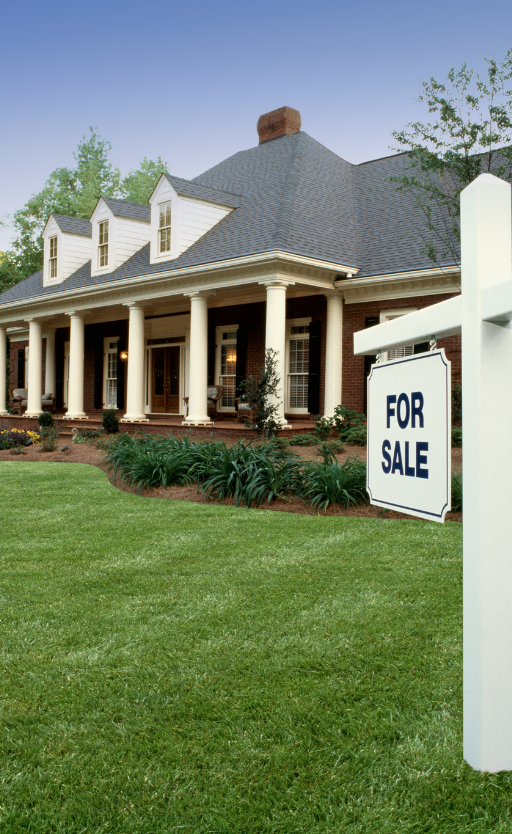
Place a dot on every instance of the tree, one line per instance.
(260, 392)
(138, 185)
(469, 135)
(73, 192)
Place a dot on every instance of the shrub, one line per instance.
(85, 435)
(346, 420)
(46, 420)
(151, 461)
(335, 483)
(457, 492)
(356, 436)
(257, 391)
(110, 423)
(323, 428)
(336, 447)
(249, 475)
(457, 402)
(303, 440)
(49, 436)
(457, 437)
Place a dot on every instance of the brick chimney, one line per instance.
(280, 122)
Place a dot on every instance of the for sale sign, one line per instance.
(409, 435)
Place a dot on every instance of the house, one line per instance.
(284, 245)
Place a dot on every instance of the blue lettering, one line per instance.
(417, 408)
(402, 422)
(386, 448)
(390, 411)
(409, 470)
(397, 460)
(421, 459)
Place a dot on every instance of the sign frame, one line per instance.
(445, 499)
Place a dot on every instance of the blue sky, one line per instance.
(188, 81)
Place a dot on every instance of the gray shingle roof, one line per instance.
(73, 225)
(296, 196)
(132, 211)
(188, 188)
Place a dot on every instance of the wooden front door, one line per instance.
(166, 380)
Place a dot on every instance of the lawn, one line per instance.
(175, 667)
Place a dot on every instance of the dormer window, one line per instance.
(103, 244)
(164, 227)
(52, 264)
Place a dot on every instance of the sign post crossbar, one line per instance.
(483, 314)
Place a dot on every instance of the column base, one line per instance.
(4, 414)
(31, 414)
(81, 416)
(135, 419)
(199, 421)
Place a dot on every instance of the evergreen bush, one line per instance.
(110, 422)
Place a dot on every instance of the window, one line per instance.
(103, 244)
(226, 340)
(406, 350)
(53, 257)
(164, 228)
(298, 365)
(110, 396)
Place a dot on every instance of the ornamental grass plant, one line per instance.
(335, 483)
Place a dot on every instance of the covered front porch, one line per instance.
(151, 355)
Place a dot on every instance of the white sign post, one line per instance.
(409, 435)
(484, 314)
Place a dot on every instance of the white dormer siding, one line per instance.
(73, 251)
(190, 219)
(125, 237)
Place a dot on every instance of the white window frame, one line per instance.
(53, 243)
(102, 244)
(302, 322)
(406, 350)
(219, 341)
(107, 350)
(163, 208)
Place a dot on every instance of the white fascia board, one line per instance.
(391, 277)
(438, 320)
(151, 280)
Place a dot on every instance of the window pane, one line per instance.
(299, 356)
(299, 391)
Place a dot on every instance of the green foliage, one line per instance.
(335, 483)
(82, 434)
(10, 438)
(149, 461)
(46, 420)
(457, 402)
(323, 428)
(260, 392)
(72, 191)
(49, 437)
(472, 124)
(110, 421)
(303, 440)
(336, 447)
(138, 185)
(349, 425)
(457, 437)
(356, 436)
(457, 492)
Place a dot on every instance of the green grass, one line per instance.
(173, 667)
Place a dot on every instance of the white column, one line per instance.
(76, 368)
(3, 369)
(333, 352)
(275, 338)
(135, 394)
(35, 369)
(487, 456)
(198, 377)
(49, 383)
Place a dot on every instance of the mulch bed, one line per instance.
(88, 454)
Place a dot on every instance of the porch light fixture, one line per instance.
(123, 355)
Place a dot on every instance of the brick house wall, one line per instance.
(354, 319)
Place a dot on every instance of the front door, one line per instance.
(166, 380)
